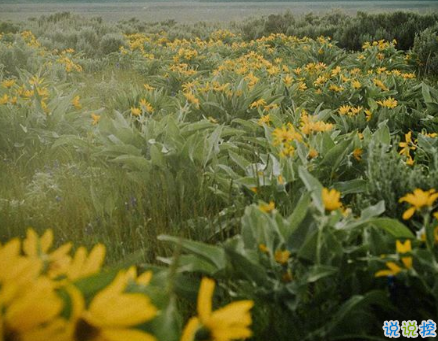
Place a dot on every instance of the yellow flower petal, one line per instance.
(190, 329)
(126, 335)
(204, 299)
(409, 213)
(403, 247)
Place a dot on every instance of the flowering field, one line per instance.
(222, 188)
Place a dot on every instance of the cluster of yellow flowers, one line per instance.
(390, 103)
(407, 146)
(309, 124)
(33, 278)
(381, 44)
(284, 137)
(40, 299)
(145, 107)
(25, 94)
(395, 268)
(69, 64)
(422, 202)
(30, 39)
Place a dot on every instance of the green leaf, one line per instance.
(393, 227)
(335, 155)
(251, 271)
(355, 303)
(166, 326)
(314, 186)
(320, 271)
(210, 253)
(351, 187)
(239, 160)
(91, 285)
(191, 263)
(382, 135)
(137, 163)
(211, 146)
(297, 216)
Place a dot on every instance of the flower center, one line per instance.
(203, 334)
(85, 331)
(11, 335)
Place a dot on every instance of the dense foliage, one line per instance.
(300, 176)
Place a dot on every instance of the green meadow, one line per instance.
(218, 171)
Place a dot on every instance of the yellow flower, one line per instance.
(82, 265)
(393, 270)
(8, 83)
(309, 124)
(407, 146)
(330, 198)
(302, 86)
(36, 80)
(419, 199)
(282, 257)
(344, 109)
(404, 248)
(112, 314)
(13, 100)
(28, 93)
(135, 111)
(263, 248)
(336, 88)
(4, 99)
(388, 103)
(225, 324)
(191, 99)
(256, 104)
(285, 134)
(357, 154)
(76, 103)
(148, 87)
(271, 106)
(96, 118)
(146, 106)
(313, 153)
(287, 151)
(336, 71)
(29, 315)
(16, 269)
(368, 115)
(267, 208)
(321, 80)
(43, 92)
(38, 248)
(380, 84)
(356, 84)
(287, 80)
(264, 120)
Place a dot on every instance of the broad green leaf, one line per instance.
(314, 186)
(335, 155)
(249, 270)
(393, 227)
(213, 254)
(320, 271)
(351, 186)
(296, 217)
